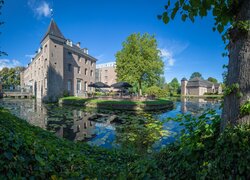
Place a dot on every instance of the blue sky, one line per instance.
(102, 26)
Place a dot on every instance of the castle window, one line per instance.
(45, 83)
(91, 73)
(79, 70)
(45, 48)
(85, 86)
(86, 71)
(86, 61)
(69, 67)
(69, 85)
(79, 85)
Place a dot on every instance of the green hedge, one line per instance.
(29, 151)
(157, 104)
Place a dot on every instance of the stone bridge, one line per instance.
(17, 94)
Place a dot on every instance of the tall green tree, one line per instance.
(196, 74)
(174, 86)
(11, 76)
(2, 53)
(139, 61)
(161, 82)
(234, 14)
(213, 80)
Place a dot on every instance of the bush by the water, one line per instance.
(155, 91)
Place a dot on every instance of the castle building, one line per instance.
(198, 87)
(106, 73)
(59, 67)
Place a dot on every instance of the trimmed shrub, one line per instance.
(155, 91)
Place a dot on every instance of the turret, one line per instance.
(184, 82)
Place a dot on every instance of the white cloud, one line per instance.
(40, 8)
(168, 57)
(43, 10)
(9, 63)
(100, 57)
(169, 54)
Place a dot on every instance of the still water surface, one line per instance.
(96, 126)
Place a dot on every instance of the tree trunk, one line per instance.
(238, 71)
(140, 91)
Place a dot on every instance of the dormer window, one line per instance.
(69, 43)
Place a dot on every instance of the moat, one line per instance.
(101, 127)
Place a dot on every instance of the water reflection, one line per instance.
(195, 106)
(68, 123)
(198, 105)
(79, 129)
(98, 128)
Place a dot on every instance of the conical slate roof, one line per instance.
(53, 30)
(184, 79)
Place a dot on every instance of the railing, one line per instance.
(17, 90)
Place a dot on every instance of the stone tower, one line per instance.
(184, 86)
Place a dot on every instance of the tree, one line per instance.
(213, 80)
(161, 82)
(196, 74)
(236, 14)
(1, 23)
(174, 86)
(139, 61)
(11, 76)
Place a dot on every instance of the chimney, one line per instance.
(78, 44)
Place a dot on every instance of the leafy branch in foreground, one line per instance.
(232, 20)
(2, 53)
(202, 152)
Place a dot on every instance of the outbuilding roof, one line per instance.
(198, 82)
